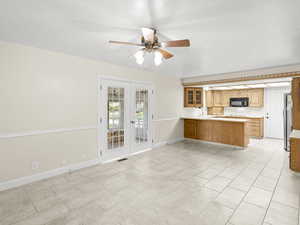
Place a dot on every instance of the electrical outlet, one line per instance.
(35, 165)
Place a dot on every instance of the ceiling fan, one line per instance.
(150, 44)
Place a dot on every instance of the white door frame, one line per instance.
(100, 112)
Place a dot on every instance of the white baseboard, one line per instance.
(51, 173)
(169, 142)
(44, 175)
(175, 141)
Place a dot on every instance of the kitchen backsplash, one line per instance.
(244, 111)
(237, 111)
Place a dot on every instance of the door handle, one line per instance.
(132, 122)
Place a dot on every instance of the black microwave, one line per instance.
(239, 102)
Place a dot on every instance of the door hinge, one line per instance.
(152, 91)
(100, 120)
(152, 141)
(152, 116)
(100, 152)
(101, 87)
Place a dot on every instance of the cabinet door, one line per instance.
(296, 103)
(225, 98)
(198, 97)
(209, 99)
(190, 128)
(217, 98)
(256, 97)
(188, 97)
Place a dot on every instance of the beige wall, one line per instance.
(42, 90)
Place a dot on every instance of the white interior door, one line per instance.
(125, 118)
(274, 105)
(114, 119)
(141, 137)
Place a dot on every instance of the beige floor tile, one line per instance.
(279, 214)
(215, 214)
(287, 198)
(218, 183)
(258, 197)
(209, 173)
(44, 217)
(184, 183)
(230, 197)
(248, 214)
(265, 183)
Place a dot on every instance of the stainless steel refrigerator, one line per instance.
(287, 120)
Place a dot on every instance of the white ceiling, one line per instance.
(226, 36)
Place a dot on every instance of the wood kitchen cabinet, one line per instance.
(255, 126)
(296, 103)
(190, 128)
(215, 110)
(193, 97)
(256, 97)
(225, 132)
(218, 97)
(209, 97)
(221, 98)
(295, 154)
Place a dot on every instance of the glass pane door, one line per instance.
(125, 119)
(115, 115)
(114, 110)
(142, 116)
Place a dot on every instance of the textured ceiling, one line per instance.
(225, 36)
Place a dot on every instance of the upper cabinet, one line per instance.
(256, 97)
(296, 103)
(221, 98)
(193, 97)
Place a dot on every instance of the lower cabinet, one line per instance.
(255, 126)
(295, 154)
(225, 132)
(190, 128)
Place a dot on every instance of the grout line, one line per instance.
(228, 221)
(273, 192)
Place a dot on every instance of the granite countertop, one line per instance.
(295, 134)
(214, 118)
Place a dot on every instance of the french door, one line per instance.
(125, 125)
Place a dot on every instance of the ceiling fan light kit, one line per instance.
(150, 44)
(139, 57)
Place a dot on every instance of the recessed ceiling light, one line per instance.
(238, 87)
(279, 84)
(221, 88)
(257, 85)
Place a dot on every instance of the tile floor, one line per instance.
(186, 183)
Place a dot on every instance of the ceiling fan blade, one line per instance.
(148, 34)
(177, 43)
(124, 43)
(165, 53)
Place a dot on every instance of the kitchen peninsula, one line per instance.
(229, 131)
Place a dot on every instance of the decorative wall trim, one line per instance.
(51, 173)
(61, 130)
(40, 132)
(44, 175)
(248, 78)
